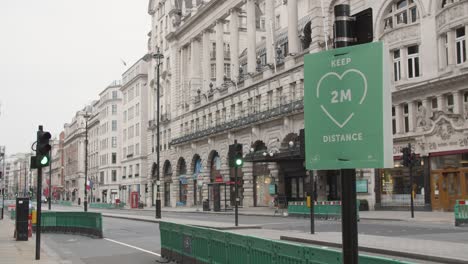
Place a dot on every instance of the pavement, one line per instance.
(19, 252)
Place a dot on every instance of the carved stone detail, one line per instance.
(451, 13)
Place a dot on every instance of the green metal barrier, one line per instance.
(64, 203)
(106, 205)
(84, 223)
(461, 212)
(190, 244)
(13, 214)
(327, 210)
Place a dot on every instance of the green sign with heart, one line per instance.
(347, 108)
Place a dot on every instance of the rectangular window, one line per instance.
(393, 120)
(137, 129)
(227, 70)
(101, 177)
(406, 116)
(114, 175)
(460, 45)
(213, 71)
(114, 142)
(125, 117)
(114, 158)
(414, 14)
(434, 103)
(114, 125)
(137, 89)
(277, 22)
(137, 170)
(396, 65)
(114, 94)
(124, 173)
(232, 114)
(413, 62)
(114, 109)
(137, 109)
(130, 171)
(137, 149)
(449, 98)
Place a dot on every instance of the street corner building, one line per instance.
(233, 70)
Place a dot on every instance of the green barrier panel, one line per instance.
(461, 212)
(260, 250)
(72, 222)
(238, 249)
(322, 210)
(189, 244)
(315, 255)
(13, 214)
(201, 244)
(218, 246)
(288, 253)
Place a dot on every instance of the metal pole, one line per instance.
(3, 181)
(50, 180)
(344, 38)
(38, 221)
(158, 195)
(411, 179)
(312, 201)
(25, 179)
(236, 189)
(39, 205)
(86, 167)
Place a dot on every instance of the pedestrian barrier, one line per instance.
(191, 244)
(326, 210)
(461, 212)
(13, 214)
(84, 223)
(61, 202)
(107, 205)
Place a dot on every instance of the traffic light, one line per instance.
(43, 149)
(235, 156)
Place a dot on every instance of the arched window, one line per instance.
(399, 13)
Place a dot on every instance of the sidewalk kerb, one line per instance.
(157, 221)
(378, 251)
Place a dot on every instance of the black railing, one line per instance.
(296, 106)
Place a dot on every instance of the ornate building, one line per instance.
(233, 70)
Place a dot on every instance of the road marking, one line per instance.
(130, 246)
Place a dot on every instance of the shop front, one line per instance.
(449, 179)
(262, 181)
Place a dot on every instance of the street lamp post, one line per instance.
(2, 154)
(158, 56)
(50, 180)
(86, 116)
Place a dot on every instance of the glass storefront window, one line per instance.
(262, 190)
(396, 187)
(449, 161)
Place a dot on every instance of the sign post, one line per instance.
(347, 121)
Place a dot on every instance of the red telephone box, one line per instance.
(134, 199)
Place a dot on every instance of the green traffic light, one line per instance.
(238, 162)
(44, 160)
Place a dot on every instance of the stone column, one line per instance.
(247, 171)
(206, 59)
(412, 110)
(194, 6)
(270, 29)
(442, 54)
(219, 53)
(398, 118)
(440, 102)
(251, 37)
(195, 65)
(451, 47)
(318, 34)
(293, 38)
(234, 28)
(457, 103)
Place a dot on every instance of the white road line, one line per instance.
(130, 246)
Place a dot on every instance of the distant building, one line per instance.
(133, 131)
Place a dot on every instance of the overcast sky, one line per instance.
(57, 55)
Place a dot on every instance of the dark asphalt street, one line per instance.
(125, 242)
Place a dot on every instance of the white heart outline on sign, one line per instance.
(341, 78)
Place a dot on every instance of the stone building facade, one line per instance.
(233, 70)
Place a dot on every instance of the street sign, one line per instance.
(347, 109)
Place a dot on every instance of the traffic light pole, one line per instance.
(50, 181)
(38, 220)
(3, 181)
(158, 56)
(312, 201)
(236, 189)
(411, 180)
(344, 38)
